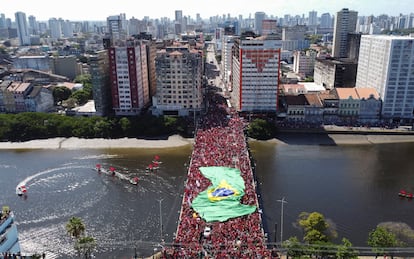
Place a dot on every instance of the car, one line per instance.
(207, 232)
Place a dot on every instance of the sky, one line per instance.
(93, 10)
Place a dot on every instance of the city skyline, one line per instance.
(77, 10)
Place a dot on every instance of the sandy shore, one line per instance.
(178, 141)
(340, 139)
(77, 143)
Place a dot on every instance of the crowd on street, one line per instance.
(220, 141)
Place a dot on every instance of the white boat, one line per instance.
(134, 181)
(21, 190)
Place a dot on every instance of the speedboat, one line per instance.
(134, 180)
(405, 194)
(21, 190)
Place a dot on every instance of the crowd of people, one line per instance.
(220, 141)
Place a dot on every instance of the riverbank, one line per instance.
(297, 138)
(98, 143)
(285, 138)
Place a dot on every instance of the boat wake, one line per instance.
(27, 181)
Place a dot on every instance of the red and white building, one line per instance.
(129, 78)
(255, 74)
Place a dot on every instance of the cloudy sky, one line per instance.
(98, 10)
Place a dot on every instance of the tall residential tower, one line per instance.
(345, 22)
(22, 28)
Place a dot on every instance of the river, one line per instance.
(354, 186)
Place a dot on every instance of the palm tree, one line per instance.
(75, 227)
(85, 245)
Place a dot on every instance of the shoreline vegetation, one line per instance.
(282, 138)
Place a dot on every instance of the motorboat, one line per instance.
(405, 194)
(134, 180)
(21, 190)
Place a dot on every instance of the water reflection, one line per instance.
(354, 186)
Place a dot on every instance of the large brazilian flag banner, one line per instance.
(221, 200)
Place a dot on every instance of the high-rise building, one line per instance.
(129, 78)
(33, 27)
(345, 22)
(179, 80)
(255, 74)
(99, 70)
(67, 28)
(313, 19)
(227, 45)
(269, 26)
(178, 16)
(55, 29)
(258, 21)
(326, 20)
(116, 28)
(178, 21)
(22, 28)
(385, 63)
(3, 21)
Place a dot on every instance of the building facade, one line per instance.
(255, 75)
(179, 72)
(129, 78)
(99, 70)
(22, 29)
(226, 58)
(332, 73)
(385, 63)
(258, 22)
(345, 22)
(304, 62)
(116, 26)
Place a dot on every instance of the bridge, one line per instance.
(220, 143)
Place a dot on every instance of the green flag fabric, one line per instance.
(221, 200)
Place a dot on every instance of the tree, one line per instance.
(260, 129)
(75, 227)
(294, 248)
(380, 239)
(315, 227)
(85, 245)
(61, 93)
(345, 250)
(81, 96)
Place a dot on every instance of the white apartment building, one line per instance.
(179, 79)
(227, 45)
(386, 64)
(255, 75)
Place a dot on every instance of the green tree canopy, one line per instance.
(75, 227)
(260, 129)
(345, 250)
(294, 248)
(315, 227)
(85, 246)
(380, 239)
(61, 93)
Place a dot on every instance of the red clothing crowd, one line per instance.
(220, 141)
